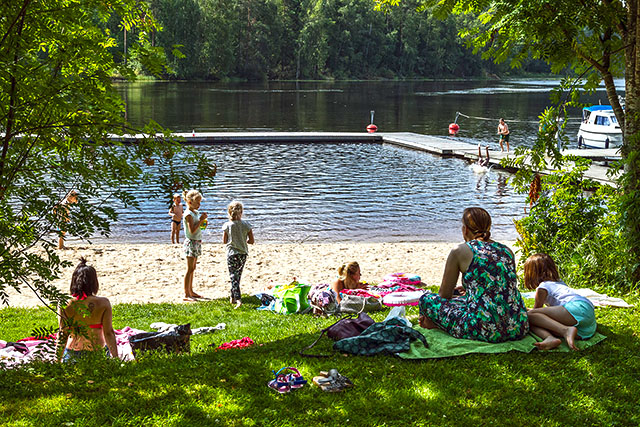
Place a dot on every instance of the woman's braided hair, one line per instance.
(478, 222)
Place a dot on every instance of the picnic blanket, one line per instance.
(12, 356)
(442, 344)
(598, 300)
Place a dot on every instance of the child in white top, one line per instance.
(568, 314)
(175, 212)
(193, 221)
(236, 234)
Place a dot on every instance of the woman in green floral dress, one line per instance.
(491, 307)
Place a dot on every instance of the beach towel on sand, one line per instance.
(442, 344)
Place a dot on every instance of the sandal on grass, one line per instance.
(286, 381)
(332, 381)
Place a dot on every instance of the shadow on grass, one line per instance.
(597, 386)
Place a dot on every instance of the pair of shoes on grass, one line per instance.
(287, 379)
(332, 381)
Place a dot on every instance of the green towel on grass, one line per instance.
(442, 344)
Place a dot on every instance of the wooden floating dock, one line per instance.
(441, 146)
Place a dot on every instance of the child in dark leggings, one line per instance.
(236, 234)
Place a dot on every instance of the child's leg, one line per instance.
(549, 341)
(188, 277)
(556, 320)
(235, 263)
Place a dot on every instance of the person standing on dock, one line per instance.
(503, 131)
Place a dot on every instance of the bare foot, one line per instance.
(194, 295)
(427, 323)
(548, 343)
(570, 335)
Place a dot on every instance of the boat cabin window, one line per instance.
(602, 120)
(613, 119)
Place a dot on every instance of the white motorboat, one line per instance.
(599, 128)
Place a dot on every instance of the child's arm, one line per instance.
(250, 239)
(171, 213)
(193, 227)
(541, 297)
(63, 333)
(107, 331)
(225, 237)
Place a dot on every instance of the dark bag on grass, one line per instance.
(175, 340)
(346, 327)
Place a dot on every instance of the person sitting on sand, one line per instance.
(491, 308)
(567, 315)
(348, 278)
(86, 321)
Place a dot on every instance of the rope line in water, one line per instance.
(458, 113)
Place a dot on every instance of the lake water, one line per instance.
(341, 192)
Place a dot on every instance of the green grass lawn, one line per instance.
(597, 386)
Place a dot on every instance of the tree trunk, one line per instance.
(631, 146)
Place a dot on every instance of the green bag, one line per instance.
(291, 298)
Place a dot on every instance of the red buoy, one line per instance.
(372, 128)
(453, 129)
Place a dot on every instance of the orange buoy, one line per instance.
(453, 129)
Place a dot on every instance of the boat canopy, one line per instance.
(598, 108)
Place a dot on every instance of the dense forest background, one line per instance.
(312, 39)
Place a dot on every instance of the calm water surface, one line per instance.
(341, 192)
(337, 192)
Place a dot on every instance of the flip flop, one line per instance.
(284, 382)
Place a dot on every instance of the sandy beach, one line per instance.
(153, 273)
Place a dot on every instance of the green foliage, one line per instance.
(308, 39)
(597, 386)
(59, 115)
(576, 221)
(579, 228)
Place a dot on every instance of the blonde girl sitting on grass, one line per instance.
(193, 220)
(568, 315)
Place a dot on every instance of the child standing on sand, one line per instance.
(236, 234)
(568, 314)
(176, 218)
(71, 198)
(193, 221)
